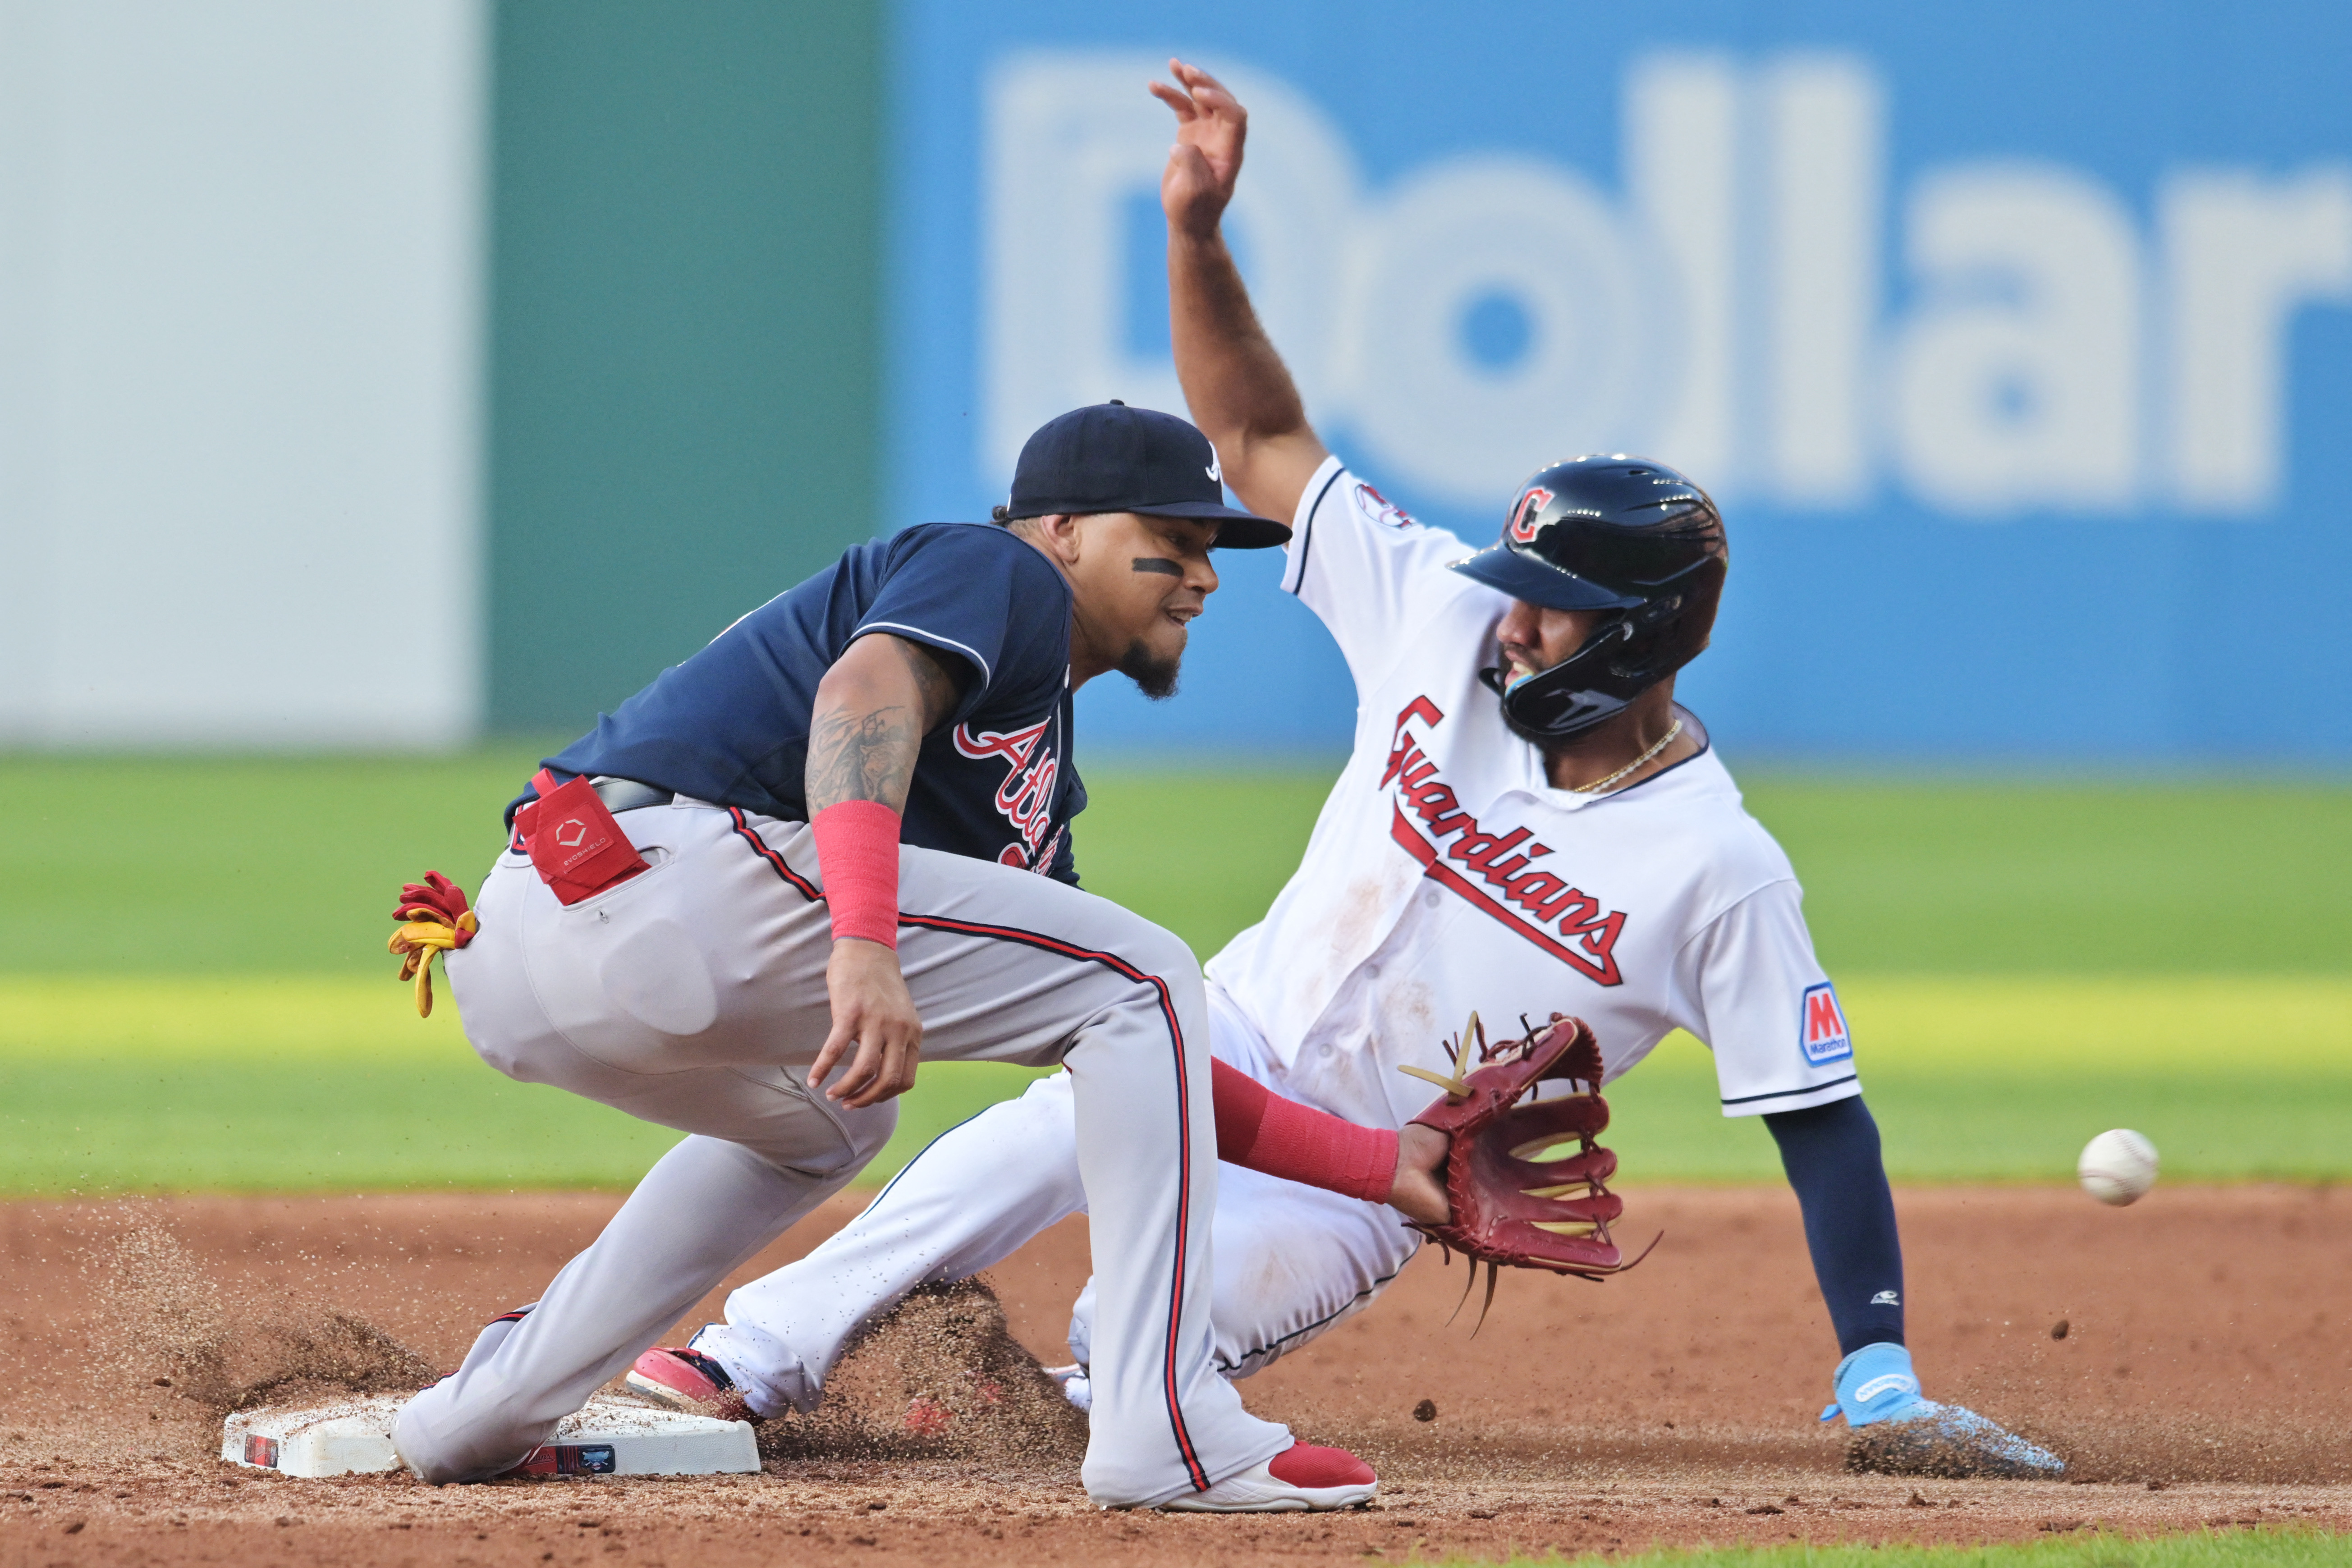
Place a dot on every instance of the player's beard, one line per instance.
(1533, 736)
(1155, 677)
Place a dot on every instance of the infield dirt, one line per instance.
(2204, 1378)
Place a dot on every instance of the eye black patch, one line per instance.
(1156, 564)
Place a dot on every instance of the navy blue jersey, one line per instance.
(731, 725)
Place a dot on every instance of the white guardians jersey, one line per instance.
(1445, 873)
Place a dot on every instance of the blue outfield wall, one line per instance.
(2014, 338)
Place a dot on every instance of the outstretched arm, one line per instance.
(1831, 1154)
(1240, 394)
(1260, 1131)
(868, 722)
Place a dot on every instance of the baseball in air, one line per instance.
(2117, 1167)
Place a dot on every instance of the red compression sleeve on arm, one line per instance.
(858, 856)
(1260, 1131)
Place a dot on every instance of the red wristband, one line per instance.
(857, 857)
(1260, 1131)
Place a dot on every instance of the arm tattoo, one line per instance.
(871, 756)
(862, 756)
(940, 686)
(1157, 563)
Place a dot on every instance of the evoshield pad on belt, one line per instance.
(577, 848)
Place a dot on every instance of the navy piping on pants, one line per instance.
(1275, 1345)
(1120, 966)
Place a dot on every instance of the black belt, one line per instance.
(627, 795)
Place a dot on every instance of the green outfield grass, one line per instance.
(194, 992)
(144, 1083)
(111, 1083)
(1988, 1078)
(2228, 1549)
(289, 865)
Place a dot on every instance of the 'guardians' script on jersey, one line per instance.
(1445, 873)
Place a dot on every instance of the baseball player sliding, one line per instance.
(1528, 823)
(740, 904)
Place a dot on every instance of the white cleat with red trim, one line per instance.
(1302, 1478)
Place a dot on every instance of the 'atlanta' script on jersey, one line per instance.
(1026, 795)
(1559, 917)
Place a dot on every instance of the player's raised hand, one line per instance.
(1210, 126)
(873, 1013)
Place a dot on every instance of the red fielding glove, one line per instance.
(857, 855)
(1513, 1200)
(1260, 1131)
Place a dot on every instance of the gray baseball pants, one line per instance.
(693, 996)
(1292, 1262)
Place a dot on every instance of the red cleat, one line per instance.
(1320, 1470)
(1302, 1478)
(688, 1380)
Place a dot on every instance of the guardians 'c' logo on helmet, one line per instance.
(1523, 516)
(1626, 541)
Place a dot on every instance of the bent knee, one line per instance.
(1172, 956)
(1163, 955)
(1134, 941)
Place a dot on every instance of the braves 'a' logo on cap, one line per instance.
(1821, 1030)
(1524, 515)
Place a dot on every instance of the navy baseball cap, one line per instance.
(1111, 458)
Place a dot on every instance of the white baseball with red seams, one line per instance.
(2117, 1167)
(1445, 874)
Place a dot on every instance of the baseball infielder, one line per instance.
(1528, 823)
(839, 830)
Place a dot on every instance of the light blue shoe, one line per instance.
(1900, 1432)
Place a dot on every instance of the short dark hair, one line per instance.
(1000, 514)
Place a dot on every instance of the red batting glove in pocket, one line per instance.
(577, 848)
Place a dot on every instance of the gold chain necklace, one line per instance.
(1664, 742)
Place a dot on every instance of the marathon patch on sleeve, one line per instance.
(1821, 1029)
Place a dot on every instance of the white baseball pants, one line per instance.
(1291, 1261)
(693, 995)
